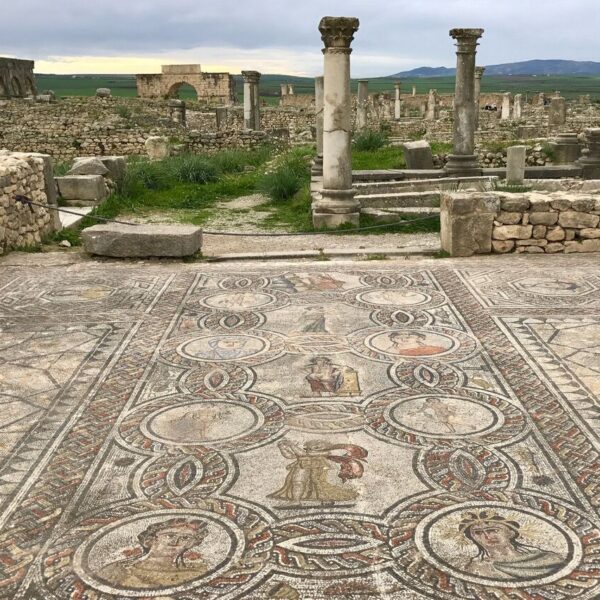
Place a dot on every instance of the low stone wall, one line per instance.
(21, 224)
(532, 222)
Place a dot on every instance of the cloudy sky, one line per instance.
(281, 36)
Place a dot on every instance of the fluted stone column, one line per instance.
(317, 167)
(397, 100)
(506, 105)
(479, 71)
(251, 100)
(335, 205)
(463, 160)
(361, 104)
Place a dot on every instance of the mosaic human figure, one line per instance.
(197, 423)
(412, 343)
(501, 553)
(312, 320)
(308, 477)
(328, 379)
(445, 415)
(163, 558)
(226, 348)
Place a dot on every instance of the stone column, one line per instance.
(506, 102)
(317, 167)
(517, 106)
(463, 160)
(251, 100)
(361, 104)
(432, 106)
(515, 164)
(177, 111)
(478, 75)
(557, 115)
(397, 100)
(541, 99)
(284, 89)
(290, 89)
(335, 205)
(221, 117)
(414, 90)
(590, 162)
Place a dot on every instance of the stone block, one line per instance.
(532, 242)
(554, 247)
(103, 92)
(515, 165)
(502, 247)
(583, 204)
(418, 155)
(509, 218)
(555, 234)
(543, 218)
(513, 232)
(583, 246)
(591, 234)
(578, 220)
(539, 232)
(515, 203)
(157, 147)
(561, 204)
(88, 166)
(570, 234)
(128, 241)
(90, 188)
(530, 249)
(539, 203)
(116, 166)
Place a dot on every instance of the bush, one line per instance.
(124, 111)
(281, 184)
(145, 175)
(370, 139)
(192, 168)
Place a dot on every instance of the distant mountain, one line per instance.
(527, 67)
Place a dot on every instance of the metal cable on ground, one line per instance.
(25, 200)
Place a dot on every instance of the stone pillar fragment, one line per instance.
(397, 100)
(515, 164)
(541, 99)
(479, 71)
(361, 104)
(251, 100)
(590, 162)
(566, 148)
(221, 117)
(463, 160)
(432, 108)
(557, 113)
(317, 168)
(284, 89)
(414, 90)
(177, 111)
(336, 205)
(517, 106)
(506, 105)
(290, 89)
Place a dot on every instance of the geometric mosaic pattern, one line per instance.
(421, 430)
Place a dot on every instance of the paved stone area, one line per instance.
(397, 430)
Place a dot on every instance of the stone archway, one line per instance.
(184, 90)
(17, 88)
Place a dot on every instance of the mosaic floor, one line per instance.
(331, 431)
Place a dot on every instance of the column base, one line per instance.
(464, 165)
(332, 208)
(317, 166)
(590, 169)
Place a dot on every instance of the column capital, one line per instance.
(466, 39)
(397, 84)
(251, 76)
(337, 33)
(479, 71)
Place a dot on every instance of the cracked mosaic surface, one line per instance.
(415, 430)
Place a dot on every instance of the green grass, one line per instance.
(369, 140)
(384, 158)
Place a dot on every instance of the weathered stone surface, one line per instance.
(126, 241)
(543, 218)
(554, 247)
(88, 166)
(157, 147)
(578, 219)
(509, 218)
(515, 163)
(539, 231)
(555, 234)
(418, 155)
(584, 204)
(82, 187)
(532, 242)
(116, 166)
(561, 204)
(103, 92)
(570, 234)
(539, 203)
(513, 232)
(501, 247)
(515, 203)
(590, 233)
(530, 249)
(584, 246)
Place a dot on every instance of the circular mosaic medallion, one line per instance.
(490, 541)
(235, 423)
(458, 417)
(248, 348)
(241, 301)
(407, 298)
(135, 551)
(424, 343)
(82, 292)
(564, 287)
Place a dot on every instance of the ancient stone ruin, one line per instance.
(216, 88)
(16, 78)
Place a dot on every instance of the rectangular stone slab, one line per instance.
(129, 241)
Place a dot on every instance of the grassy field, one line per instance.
(124, 85)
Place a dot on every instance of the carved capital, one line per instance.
(251, 76)
(479, 71)
(337, 33)
(466, 39)
(397, 84)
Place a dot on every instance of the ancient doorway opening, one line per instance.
(183, 91)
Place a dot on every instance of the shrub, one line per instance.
(145, 175)
(281, 184)
(370, 139)
(192, 168)
(124, 111)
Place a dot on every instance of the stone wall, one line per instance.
(16, 78)
(532, 222)
(21, 224)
